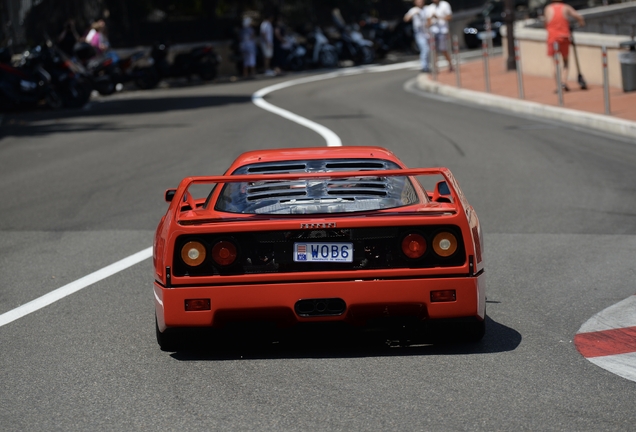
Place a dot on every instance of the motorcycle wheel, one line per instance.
(368, 55)
(329, 58)
(296, 64)
(207, 71)
(78, 94)
(147, 78)
(105, 88)
(54, 100)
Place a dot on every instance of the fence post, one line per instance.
(519, 72)
(458, 79)
(606, 96)
(557, 68)
(484, 51)
(433, 50)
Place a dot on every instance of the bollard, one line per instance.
(484, 51)
(433, 51)
(606, 96)
(519, 74)
(557, 68)
(488, 27)
(458, 79)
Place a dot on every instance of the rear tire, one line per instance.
(147, 78)
(329, 58)
(170, 339)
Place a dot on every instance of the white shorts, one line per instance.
(268, 51)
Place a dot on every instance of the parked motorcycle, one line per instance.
(22, 88)
(110, 72)
(351, 44)
(69, 79)
(321, 53)
(44, 76)
(202, 61)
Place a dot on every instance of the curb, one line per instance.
(599, 122)
(608, 339)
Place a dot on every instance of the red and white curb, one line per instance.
(608, 339)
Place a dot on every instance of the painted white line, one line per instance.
(73, 287)
(332, 141)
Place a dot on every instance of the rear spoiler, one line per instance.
(452, 184)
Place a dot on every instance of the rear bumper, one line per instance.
(365, 300)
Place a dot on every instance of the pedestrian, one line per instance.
(248, 48)
(557, 17)
(68, 37)
(98, 38)
(267, 43)
(439, 14)
(417, 16)
(282, 46)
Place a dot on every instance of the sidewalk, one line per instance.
(581, 107)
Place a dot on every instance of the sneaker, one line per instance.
(425, 70)
(270, 73)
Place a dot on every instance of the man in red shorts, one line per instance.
(557, 15)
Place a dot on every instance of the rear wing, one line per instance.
(181, 193)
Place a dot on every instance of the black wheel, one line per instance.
(146, 78)
(471, 330)
(78, 94)
(105, 88)
(169, 340)
(207, 71)
(54, 100)
(296, 64)
(329, 58)
(368, 55)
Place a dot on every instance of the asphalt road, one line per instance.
(83, 189)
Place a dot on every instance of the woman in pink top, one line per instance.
(557, 15)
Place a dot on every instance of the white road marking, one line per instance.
(74, 287)
(332, 141)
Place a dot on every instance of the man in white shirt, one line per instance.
(417, 16)
(439, 13)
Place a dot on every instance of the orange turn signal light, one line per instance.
(193, 305)
(193, 253)
(224, 253)
(445, 244)
(443, 296)
(414, 246)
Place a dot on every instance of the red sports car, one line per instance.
(317, 235)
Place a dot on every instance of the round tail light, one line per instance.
(414, 246)
(224, 253)
(445, 244)
(193, 253)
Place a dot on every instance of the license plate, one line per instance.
(323, 252)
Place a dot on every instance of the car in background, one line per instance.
(320, 236)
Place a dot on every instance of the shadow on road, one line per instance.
(38, 123)
(499, 338)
